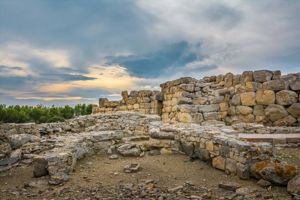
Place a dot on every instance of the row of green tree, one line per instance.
(41, 114)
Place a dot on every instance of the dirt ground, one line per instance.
(99, 174)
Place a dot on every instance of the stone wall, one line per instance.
(262, 96)
(143, 101)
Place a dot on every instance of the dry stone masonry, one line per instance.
(215, 119)
(263, 96)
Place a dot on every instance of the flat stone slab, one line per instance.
(275, 138)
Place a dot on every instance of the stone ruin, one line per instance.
(264, 97)
(232, 122)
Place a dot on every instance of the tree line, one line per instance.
(41, 114)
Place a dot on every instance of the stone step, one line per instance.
(274, 138)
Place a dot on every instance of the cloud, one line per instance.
(158, 62)
(20, 54)
(78, 49)
(113, 78)
(66, 98)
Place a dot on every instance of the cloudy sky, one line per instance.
(75, 51)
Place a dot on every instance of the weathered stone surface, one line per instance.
(208, 108)
(275, 85)
(259, 110)
(295, 85)
(228, 80)
(129, 150)
(187, 148)
(5, 149)
(184, 117)
(275, 112)
(40, 167)
(265, 97)
(132, 168)
(286, 121)
(162, 135)
(235, 100)
(286, 97)
(293, 186)
(275, 172)
(218, 162)
(244, 110)
(264, 183)
(294, 110)
(15, 156)
(242, 171)
(262, 75)
(248, 98)
(247, 76)
(18, 140)
(231, 166)
(202, 154)
(231, 186)
(188, 87)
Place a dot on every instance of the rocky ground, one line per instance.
(159, 177)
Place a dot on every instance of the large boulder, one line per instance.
(275, 85)
(244, 110)
(293, 186)
(286, 121)
(286, 97)
(235, 100)
(129, 150)
(275, 112)
(294, 110)
(247, 76)
(274, 171)
(15, 156)
(262, 75)
(265, 97)
(248, 98)
(18, 140)
(295, 85)
(228, 80)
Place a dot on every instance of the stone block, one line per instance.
(295, 85)
(209, 145)
(286, 97)
(187, 87)
(223, 106)
(212, 116)
(184, 100)
(275, 85)
(244, 110)
(224, 151)
(218, 162)
(228, 79)
(259, 110)
(294, 110)
(248, 98)
(275, 112)
(184, 117)
(208, 108)
(265, 97)
(286, 121)
(247, 76)
(262, 75)
(231, 166)
(202, 154)
(243, 171)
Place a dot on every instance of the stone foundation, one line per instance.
(57, 146)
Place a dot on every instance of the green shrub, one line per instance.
(41, 114)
